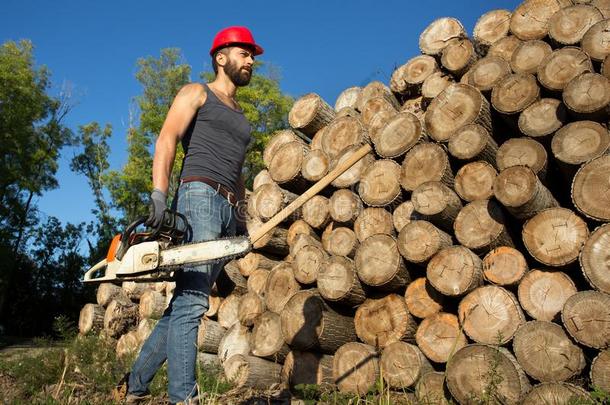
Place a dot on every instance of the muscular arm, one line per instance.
(181, 113)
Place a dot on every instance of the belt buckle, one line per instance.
(231, 196)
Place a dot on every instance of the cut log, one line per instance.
(145, 328)
(473, 142)
(386, 320)
(568, 25)
(372, 90)
(152, 305)
(267, 340)
(235, 341)
(376, 112)
(425, 162)
(316, 212)
(106, 292)
(228, 311)
(351, 176)
(600, 370)
(280, 286)
(253, 372)
(522, 193)
(530, 20)
(504, 266)
(134, 291)
(561, 66)
(403, 214)
(273, 242)
(127, 344)
(480, 226)
(587, 96)
(422, 300)
(605, 69)
(541, 119)
(339, 240)
(310, 113)
(407, 80)
(458, 105)
(455, 271)
(308, 323)
(257, 281)
(438, 203)
(307, 264)
(347, 98)
(403, 364)
(594, 259)
(91, 319)
(315, 165)
(434, 85)
(459, 56)
(345, 206)
(470, 372)
(214, 301)
(338, 282)
(268, 200)
(602, 5)
(546, 353)
(400, 133)
(316, 141)
(523, 152)
(491, 315)
(419, 240)
(474, 181)
(577, 143)
(586, 317)
(504, 47)
(415, 106)
(594, 42)
(261, 178)
(373, 221)
(253, 261)
(306, 368)
(490, 28)
(296, 228)
(355, 368)
(380, 183)
(250, 306)
(230, 280)
(514, 93)
(286, 163)
(542, 294)
(209, 336)
(438, 34)
(278, 139)
(120, 316)
(302, 240)
(439, 336)
(555, 236)
(431, 389)
(341, 133)
(380, 265)
(559, 393)
(528, 56)
(591, 190)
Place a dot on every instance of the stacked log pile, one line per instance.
(471, 243)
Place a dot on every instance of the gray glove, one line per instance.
(156, 206)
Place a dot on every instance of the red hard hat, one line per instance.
(234, 36)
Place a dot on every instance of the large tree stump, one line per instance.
(338, 282)
(250, 306)
(280, 286)
(504, 266)
(523, 152)
(308, 263)
(355, 368)
(403, 364)
(403, 214)
(472, 142)
(514, 93)
(120, 316)
(407, 79)
(556, 393)
(379, 264)
(266, 339)
(431, 389)
(542, 294)
(470, 370)
(491, 315)
(542, 118)
(577, 143)
(530, 20)
(586, 317)
(490, 28)
(228, 311)
(310, 113)
(474, 181)
(341, 133)
(308, 323)
(373, 221)
(345, 206)
(250, 371)
(591, 190)
(152, 305)
(209, 336)
(438, 203)
(487, 72)
(339, 240)
(587, 96)
(600, 370)
(380, 183)
(235, 341)
(307, 368)
(458, 56)
(347, 98)
(399, 134)
(594, 42)
(555, 236)
(568, 25)
(458, 105)
(546, 353)
(352, 175)
(278, 139)
(315, 165)
(106, 292)
(594, 259)
(558, 68)
(258, 280)
(439, 336)
(522, 193)
(528, 56)
(386, 320)
(422, 300)
(438, 34)
(419, 240)
(504, 48)
(480, 226)
(91, 319)
(455, 271)
(425, 162)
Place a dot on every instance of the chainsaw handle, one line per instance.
(93, 269)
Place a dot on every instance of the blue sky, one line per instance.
(91, 48)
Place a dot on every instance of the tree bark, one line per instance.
(307, 368)
(209, 336)
(120, 316)
(250, 371)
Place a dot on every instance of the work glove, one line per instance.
(157, 206)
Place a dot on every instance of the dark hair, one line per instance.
(225, 51)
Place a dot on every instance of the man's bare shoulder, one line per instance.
(193, 94)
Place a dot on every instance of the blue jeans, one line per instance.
(174, 338)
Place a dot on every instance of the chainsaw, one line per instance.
(157, 254)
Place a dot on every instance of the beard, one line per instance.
(239, 76)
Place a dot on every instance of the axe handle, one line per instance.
(311, 191)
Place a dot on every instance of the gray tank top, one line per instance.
(215, 142)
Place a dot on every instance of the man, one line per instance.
(214, 134)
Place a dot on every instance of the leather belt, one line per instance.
(222, 190)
